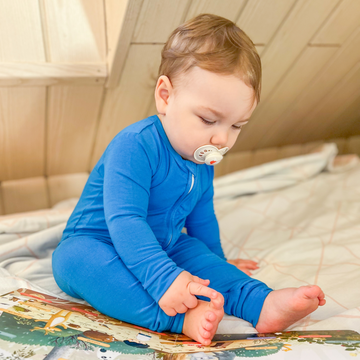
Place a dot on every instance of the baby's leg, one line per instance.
(91, 269)
(244, 296)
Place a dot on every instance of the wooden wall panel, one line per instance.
(353, 145)
(115, 13)
(72, 118)
(229, 9)
(2, 212)
(234, 161)
(289, 41)
(75, 30)
(24, 195)
(322, 119)
(260, 49)
(343, 60)
(237, 161)
(131, 100)
(262, 156)
(265, 124)
(311, 146)
(308, 90)
(261, 18)
(42, 74)
(291, 150)
(158, 18)
(63, 187)
(340, 25)
(152, 108)
(348, 122)
(22, 132)
(220, 169)
(121, 17)
(341, 144)
(20, 28)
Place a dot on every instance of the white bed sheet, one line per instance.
(300, 223)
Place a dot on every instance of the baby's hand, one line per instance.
(244, 265)
(180, 296)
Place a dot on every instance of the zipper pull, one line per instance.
(192, 182)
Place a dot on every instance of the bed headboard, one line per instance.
(73, 73)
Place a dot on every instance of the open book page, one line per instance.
(38, 326)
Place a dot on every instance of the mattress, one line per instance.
(297, 217)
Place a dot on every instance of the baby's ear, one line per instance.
(162, 92)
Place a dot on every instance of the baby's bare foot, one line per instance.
(286, 306)
(201, 322)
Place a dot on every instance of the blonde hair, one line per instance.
(215, 44)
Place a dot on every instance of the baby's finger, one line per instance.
(252, 265)
(247, 272)
(247, 263)
(181, 309)
(198, 289)
(169, 311)
(201, 281)
(191, 302)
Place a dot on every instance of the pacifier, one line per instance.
(209, 154)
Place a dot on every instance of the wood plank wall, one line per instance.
(304, 71)
(309, 50)
(47, 131)
(75, 72)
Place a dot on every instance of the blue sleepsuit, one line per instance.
(123, 245)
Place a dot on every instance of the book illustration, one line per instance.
(39, 326)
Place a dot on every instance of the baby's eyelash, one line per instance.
(206, 121)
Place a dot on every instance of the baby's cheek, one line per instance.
(232, 141)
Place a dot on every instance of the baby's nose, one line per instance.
(219, 139)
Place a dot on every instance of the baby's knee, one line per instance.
(66, 256)
(66, 266)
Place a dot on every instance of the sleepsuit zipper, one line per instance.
(178, 204)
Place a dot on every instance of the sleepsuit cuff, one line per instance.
(251, 305)
(159, 287)
(176, 323)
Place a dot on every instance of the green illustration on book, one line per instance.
(38, 326)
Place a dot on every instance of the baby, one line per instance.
(123, 249)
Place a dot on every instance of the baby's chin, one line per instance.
(192, 160)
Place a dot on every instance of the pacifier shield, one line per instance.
(209, 154)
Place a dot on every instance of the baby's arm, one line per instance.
(180, 296)
(202, 224)
(127, 180)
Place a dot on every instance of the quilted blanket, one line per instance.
(299, 218)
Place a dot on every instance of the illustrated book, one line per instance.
(34, 325)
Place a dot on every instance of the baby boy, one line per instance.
(123, 249)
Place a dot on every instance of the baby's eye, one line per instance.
(237, 127)
(207, 122)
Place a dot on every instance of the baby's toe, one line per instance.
(205, 334)
(322, 302)
(205, 341)
(217, 303)
(210, 316)
(207, 325)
